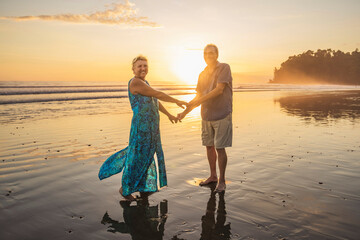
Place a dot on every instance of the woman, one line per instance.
(137, 159)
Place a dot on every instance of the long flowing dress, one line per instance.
(137, 160)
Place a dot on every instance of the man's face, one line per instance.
(210, 55)
(140, 69)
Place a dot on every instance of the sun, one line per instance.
(188, 64)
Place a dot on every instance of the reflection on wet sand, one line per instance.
(140, 221)
(215, 227)
(323, 106)
(143, 221)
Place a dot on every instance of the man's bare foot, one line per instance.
(208, 181)
(220, 187)
(129, 198)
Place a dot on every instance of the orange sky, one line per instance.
(96, 40)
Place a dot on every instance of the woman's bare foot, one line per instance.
(221, 186)
(129, 198)
(208, 181)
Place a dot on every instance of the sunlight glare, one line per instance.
(195, 113)
(188, 65)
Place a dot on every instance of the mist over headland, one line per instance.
(320, 67)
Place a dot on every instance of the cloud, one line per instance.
(115, 14)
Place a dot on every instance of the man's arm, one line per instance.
(218, 90)
(223, 79)
(199, 99)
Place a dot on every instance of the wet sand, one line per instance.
(293, 172)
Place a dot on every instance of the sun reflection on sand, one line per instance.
(197, 181)
(195, 113)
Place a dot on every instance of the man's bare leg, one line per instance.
(222, 161)
(211, 155)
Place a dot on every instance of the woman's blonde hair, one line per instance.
(138, 58)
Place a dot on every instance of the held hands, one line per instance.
(189, 106)
(174, 119)
(181, 104)
(180, 116)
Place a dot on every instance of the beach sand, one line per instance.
(293, 171)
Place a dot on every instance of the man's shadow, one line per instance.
(215, 227)
(140, 221)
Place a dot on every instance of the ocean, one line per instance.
(31, 92)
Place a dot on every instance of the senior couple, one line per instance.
(136, 161)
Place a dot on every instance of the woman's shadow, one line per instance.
(215, 227)
(141, 221)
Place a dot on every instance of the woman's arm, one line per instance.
(138, 86)
(170, 116)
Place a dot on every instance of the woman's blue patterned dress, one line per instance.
(137, 160)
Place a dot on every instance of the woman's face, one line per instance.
(140, 69)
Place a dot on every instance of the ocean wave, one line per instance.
(53, 91)
(15, 101)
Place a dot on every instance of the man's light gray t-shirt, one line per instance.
(219, 107)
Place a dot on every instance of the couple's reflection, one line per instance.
(215, 227)
(143, 221)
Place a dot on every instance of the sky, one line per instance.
(96, 40)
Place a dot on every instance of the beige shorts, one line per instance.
(217, 133)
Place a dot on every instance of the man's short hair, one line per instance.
(214, 46)
(138, 58)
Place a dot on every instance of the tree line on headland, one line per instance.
(320, 67)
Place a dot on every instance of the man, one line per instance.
(214, 94)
